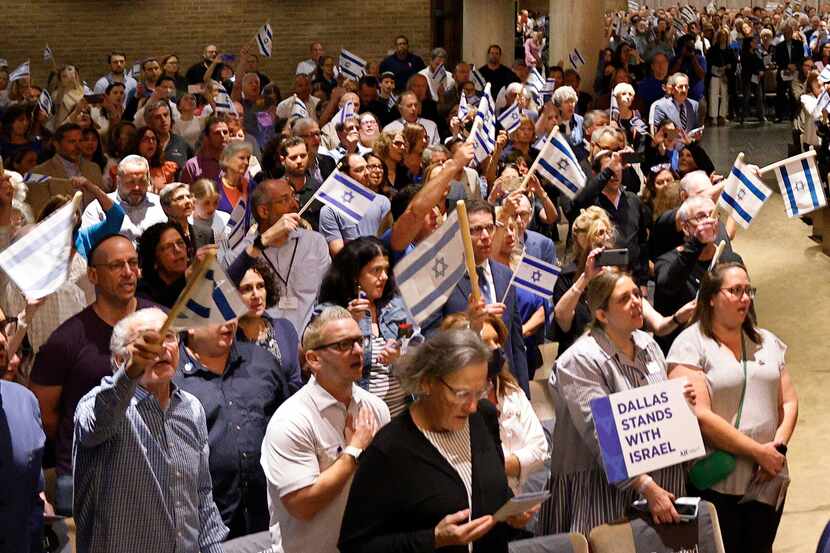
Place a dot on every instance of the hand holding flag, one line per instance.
(743, 193)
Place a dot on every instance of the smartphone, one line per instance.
(687, 508)
(695, 134)
(616, 258)
(227, 58)
(631, 157)
(94, 99)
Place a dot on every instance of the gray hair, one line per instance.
(301, 125)
(234, 148)
(691, 205)
(431, 150)
(443, 353)
(133, 161)
(564, 94)
(602, 131)
(313, 334)
(622, 87)
(166, 193)
(439, 53)
(674, 77)
(692, 179)
(590, 118)
(124, 331)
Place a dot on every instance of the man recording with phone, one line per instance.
(605, 190)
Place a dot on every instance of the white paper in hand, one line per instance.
(520, 504)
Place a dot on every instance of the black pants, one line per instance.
(745, 527)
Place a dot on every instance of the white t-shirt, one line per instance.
(304, 438)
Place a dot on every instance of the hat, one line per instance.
(386, 74)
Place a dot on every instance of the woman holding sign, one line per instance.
(434, 476)
(747, 408)
(614, 355)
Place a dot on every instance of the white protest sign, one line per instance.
(646, 429)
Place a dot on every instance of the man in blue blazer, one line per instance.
(536, 244)
(678, 107)
(493, 280)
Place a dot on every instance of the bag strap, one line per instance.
(743, 392)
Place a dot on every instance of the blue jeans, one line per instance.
(63, 495)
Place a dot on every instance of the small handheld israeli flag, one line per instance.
(48, 55)
(558, 164)
(20, 72)
(824, 76)
(484, 140)
(238, 224)
(576, 58)
(351, 65)
(212, 299)
(463, 107)
(264, 40)
(35, 178)
(346, 195)
(800, 184)
(44, 101)
(298, 109)
(548, 90)
(511, 118)
(536, 276)
(223, 103)
(477, 78)
(687, 13)
(393, 101)
(743, 194)
(345, 113)
(439, 75)
(633, 6)
(428, 274)
(535, 84)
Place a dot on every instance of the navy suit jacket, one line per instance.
(666, 108)
(540, 246)
(514, 349)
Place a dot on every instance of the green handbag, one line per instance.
(719, 464)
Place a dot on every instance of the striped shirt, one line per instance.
(581, 497)
(382, 383)
(142, 481)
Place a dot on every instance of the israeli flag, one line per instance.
(824, 76)
(576, 58)
(687, 13)
(463, 107)
(633, 6)
(44, 101)
(345, 113)
(346, 195)
(484, 141)
(35, 178)
(477, 78)
(536, 276)
(743, 194)
(298, 109)
(223, 103)
(135, 72)
(511, 118)
(800, 184)
(438, 76)
(351, 65)
(548, 90)
(264, 40)
(393, 101)
(20, 72)
(38, 263)
(48, 55)
(238, 225)
(213, 299)
(535, 84)
(822, 103)
(558, 164)
(427, 275)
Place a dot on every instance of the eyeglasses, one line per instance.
(374, 167)
(176, 244)
(738, 292)
(465, 396)
(477, 230)
(131, 264)
(343, 346)
(399, 143)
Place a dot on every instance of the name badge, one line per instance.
(289, 302)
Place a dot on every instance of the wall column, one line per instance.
(577, 24)
(487, 22)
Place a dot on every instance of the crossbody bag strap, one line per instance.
(743, 392)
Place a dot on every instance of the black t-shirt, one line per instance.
(665, 236)
(498, 78)
(582, 315)
(76, 356)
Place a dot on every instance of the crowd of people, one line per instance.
(326, 418)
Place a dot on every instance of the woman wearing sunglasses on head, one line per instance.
(746, 405)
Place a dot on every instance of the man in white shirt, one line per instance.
(302, 90)
(410, 108)
(314, 440)
(330, 140)
(439, 82)
(309, 66)
(141, 208)
(298, 257)
(117, 74)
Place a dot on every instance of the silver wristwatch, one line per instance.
(353, 451)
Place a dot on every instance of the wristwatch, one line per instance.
(353, 451)
(258, 243)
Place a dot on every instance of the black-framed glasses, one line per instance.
(738, 292)
(464, 396)
(343, 346)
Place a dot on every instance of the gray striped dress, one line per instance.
(581, 497)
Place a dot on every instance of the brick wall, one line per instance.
(84, 31)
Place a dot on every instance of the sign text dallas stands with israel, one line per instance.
(657, 411)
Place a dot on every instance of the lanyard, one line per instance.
(290, 265)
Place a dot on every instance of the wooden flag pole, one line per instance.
(469, 256)
(197, 273)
